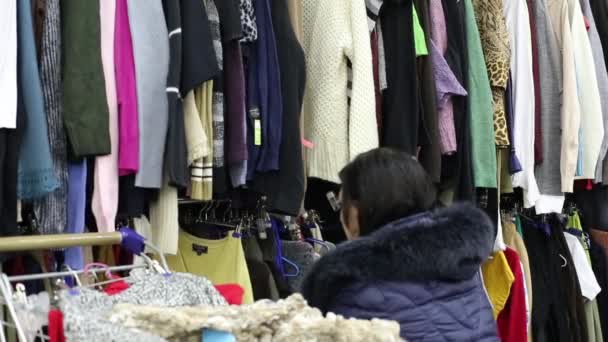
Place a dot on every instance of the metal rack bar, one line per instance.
(29, 277)
(41, 242)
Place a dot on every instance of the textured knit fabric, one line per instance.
(126, 91)
(548, 174)
(176, 150)
(479, 105)
(151, 53)
(289, 320)
(85, 310)
(105, 180)
(495, 42)
(36, 174)
(518, 25)
(196, 139)
(51, 210)
(591, 120)
(570, 106)
(76, 203)
(84, 98)
(335, 31)
(602, 81)
(8, 65)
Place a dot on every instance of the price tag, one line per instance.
(257, 132)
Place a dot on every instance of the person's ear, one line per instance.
(350, 222)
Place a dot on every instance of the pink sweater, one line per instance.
(128, 159)
(105, 189)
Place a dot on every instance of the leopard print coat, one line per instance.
(497, 52)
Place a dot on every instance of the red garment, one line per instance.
(513, 319)
(376, 69)
(538, 128)
(232, 293)
(116, 288)
(55, 327)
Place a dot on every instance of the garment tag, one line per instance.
(257, 132)
(217, 336)
(308, 144)
(199, 249)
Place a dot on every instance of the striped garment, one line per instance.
(51, 210)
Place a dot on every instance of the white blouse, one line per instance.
(8, 64)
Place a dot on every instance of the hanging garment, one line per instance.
(201, 171)
(600, 268)
(400, 103)
(248, 21)
(498, 279)
(429, 155)
(538, 124)
(164, 219)
(235, 119)
(10, 143)
(512, 321)
(220, 182)
(334, 32)
(197, 141)
(458, 59)
(285, 188)
(479, 106)
(151, 55)
(586, 278)
(514, 240)
(230, 17)
(105, 180)
(514, 165)
(558, 313)
(495, 42)
(36, 177)
(602, 81)
(518, 26)
(126, 92)
(84, 97)
(221, 261)
(76, 206)
(591, 119)
(570, 106)
(548, 174)
(269, 90)
(51, 211)
(8, 65)
(176, 153)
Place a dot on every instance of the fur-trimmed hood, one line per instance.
(448, 244)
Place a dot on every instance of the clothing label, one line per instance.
(199, 249)
(257, 132)
(308, 144)
(217, 336)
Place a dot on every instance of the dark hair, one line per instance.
(385, 185)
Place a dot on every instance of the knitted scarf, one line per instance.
(51, 211)
(36, 176)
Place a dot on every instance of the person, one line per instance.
(407, 260)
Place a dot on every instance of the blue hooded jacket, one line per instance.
(422, 271)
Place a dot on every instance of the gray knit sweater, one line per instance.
(151, 53)
(548, 173)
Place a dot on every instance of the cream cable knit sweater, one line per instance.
(290, 320)
(336, 31)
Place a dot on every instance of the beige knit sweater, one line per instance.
(289, 320)
(334, 32)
